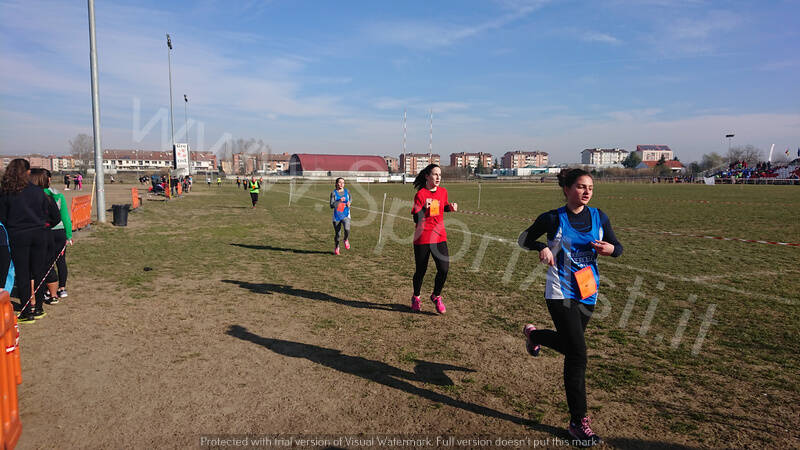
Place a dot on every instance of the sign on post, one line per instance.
(180, 156)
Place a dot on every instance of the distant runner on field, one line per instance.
(340, 202)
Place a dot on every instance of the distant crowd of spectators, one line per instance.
(740, 170)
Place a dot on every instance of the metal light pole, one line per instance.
(405, 165)
(98, 149)
(729, 136)
(171, 120)
(186, 125)
(430, 142)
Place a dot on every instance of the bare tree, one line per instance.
(82, 149)
(711, 160)
(748, 153)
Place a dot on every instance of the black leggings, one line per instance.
(254, 198)
(50, 256)
(28, 251)
(60, 241)
(570, 318)
(441, 258)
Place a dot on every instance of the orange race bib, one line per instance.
(586, 282)
(434, 210)
(341, 206)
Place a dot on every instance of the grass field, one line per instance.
(204, 317)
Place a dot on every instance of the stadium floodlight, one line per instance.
(729, 136)
(169, 65)
(186, 125)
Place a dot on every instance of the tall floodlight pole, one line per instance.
(98, 149)
(430, 141)
(186, 125)
(405, 165)
(171, 120)
(729, 137)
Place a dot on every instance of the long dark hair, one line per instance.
(568, 177)
(16, 177)
(40, 177)
(422, 177)
(336, 182)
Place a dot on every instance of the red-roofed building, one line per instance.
(312, 165)
(676, 166)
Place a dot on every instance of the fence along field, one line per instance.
(248, 324)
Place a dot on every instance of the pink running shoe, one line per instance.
(439, 304)
(336, 250)
(582, 434)
(347, 244)
(416, 305)
(533, 350)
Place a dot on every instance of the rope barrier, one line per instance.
(33, 294)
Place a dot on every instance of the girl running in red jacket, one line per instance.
(430, 237)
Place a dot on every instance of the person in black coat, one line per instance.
(24, 211)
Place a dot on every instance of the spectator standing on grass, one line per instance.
(57, 238)
(79, 181)
(430, 236)
(576, 235)
(24, 212)
(254, 189)
(66, 181)
(238, 183)
(340, 202)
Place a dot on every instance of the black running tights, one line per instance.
(570, 318)
(441, 258)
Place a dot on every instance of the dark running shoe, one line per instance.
(582, 434)
(26, 317)
(62, 293)
(533, 349)
(38, 312)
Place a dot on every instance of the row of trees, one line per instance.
(249, 146)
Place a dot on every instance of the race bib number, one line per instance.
(434, 210)
(586, 282)
(341, 206)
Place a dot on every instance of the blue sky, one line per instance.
(335, 77)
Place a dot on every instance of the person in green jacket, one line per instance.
(254, 189)
(62, 237)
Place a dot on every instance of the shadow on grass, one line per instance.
(282, 249)
(269, 288)
(379, 372)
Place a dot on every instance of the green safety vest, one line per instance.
(254, 187)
